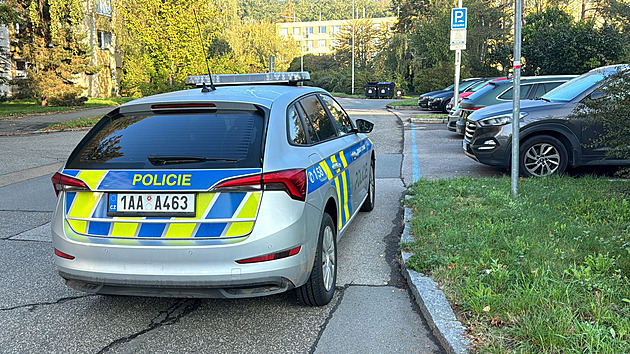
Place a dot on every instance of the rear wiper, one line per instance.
(161, 160)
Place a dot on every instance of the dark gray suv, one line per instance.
(549, 140)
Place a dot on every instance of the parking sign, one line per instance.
(459, 18)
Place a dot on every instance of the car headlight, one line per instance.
(498, 120)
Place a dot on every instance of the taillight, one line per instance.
(271, 257)
(293, 182)
(63, 255)
(62, 182)
(473, 108)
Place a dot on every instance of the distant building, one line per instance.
(98, 26)
(318, 37)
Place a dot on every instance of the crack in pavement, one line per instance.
(33, 307)
(328, 318)
(172, 315)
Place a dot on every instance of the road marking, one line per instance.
(414, 151)
(20, 176)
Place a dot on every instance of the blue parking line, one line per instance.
(414, 151)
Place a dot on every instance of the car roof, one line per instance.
(525, 79)
(262, 95)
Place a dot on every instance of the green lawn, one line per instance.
(404, 103)
(547, 272)
(31, 106)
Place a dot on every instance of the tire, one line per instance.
(368, 204)
(320, 286)
(541, 156)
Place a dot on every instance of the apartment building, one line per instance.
(98, 26)
(318, 37)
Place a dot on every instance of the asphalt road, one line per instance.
(372, 311)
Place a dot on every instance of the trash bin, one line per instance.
(371, 90)
(385, 89)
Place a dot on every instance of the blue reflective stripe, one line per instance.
(151, 230)
(69, 199)
(99, 228)
(226, 205)
(210, 230)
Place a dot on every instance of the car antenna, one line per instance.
(204, 88)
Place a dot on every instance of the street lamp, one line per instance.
(301, 42)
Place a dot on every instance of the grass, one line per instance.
(31, 106)
(545, 272)
(404, 103)
(73, 124)
(346, 95)
(436, 115)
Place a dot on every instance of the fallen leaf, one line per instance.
(486, 309)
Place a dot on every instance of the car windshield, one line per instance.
(476, 87)
(466, 84)
(568, 91)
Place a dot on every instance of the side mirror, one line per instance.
(364, 126)
(597, 95)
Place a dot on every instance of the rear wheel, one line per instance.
(542, 155)
(320, 287)
(368, 205)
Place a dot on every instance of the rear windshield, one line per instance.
(173, 141)
(483, 91)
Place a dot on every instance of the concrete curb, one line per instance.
(405, 118)
(432, 301)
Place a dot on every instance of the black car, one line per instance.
(423, 101)
(501, 91)
(438, 101)
(549, 139)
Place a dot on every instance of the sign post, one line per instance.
(459, 22)
(516, 100)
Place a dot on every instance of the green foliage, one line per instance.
(367, 43)
(613, 114)
(553, 43)
(546, 272)
(57, 51)
(271, 11)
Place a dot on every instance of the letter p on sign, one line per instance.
(459, 18)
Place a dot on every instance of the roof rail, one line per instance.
(282, 78)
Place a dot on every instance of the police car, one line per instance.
(242, 190)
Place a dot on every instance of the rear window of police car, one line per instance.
(226, 140)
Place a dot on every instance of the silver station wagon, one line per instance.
(241, 190)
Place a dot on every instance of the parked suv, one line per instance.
(549, 139)
(501, 91)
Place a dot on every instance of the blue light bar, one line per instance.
(290, 78)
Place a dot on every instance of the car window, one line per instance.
(341, 120)
(318, 117)
(483, 91)
(230, 140)
(296, 131)
(310, 131)
(508, 95)
(540, 90)
(551, 85)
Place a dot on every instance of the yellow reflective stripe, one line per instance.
(78, 226)
(240, 228)
(324, 166)
(180, 230)
(125, 229)
(338, 202)
(333, 159)
(83, 204)
(345, 195)
(251, 206)
(343, 159)
(91, 178)
(203, 200)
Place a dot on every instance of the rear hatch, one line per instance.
(176, 172)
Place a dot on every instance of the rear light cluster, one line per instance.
(62, 182)
(293, 182)
(63, 255)
(271, 257)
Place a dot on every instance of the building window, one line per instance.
(296, 30)
(308, 30)
(284, 32)
(335, 29)
(309, 44)
(335, 43)
(104, 40)
(321, 29)
(321, 43)
(104, 7)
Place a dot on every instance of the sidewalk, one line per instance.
(32, 123)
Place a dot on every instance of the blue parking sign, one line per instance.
(459, 18)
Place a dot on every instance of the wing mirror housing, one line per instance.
(364, 126)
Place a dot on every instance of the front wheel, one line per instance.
(320, 286)
(542, 155)
(368, 204)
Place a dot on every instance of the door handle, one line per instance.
(354, 154)
(336, 166)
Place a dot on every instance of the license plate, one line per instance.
(135, 204)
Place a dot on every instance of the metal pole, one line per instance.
(516, 100)
(458, 62)
(352, 47)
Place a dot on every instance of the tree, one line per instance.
(553, 43)
(612, 112)
(56, 50)
(368, 41)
